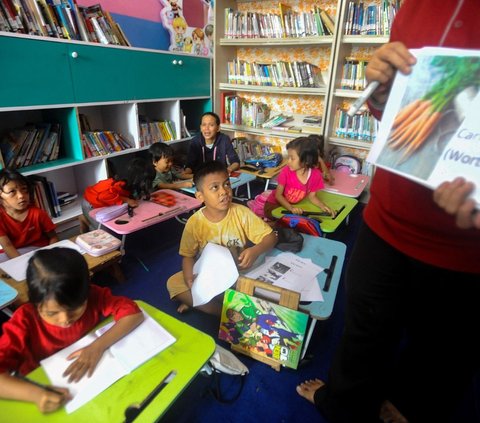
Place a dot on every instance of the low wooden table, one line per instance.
(95, 264)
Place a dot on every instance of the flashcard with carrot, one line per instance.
(431, 124)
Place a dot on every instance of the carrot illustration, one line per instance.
(421, 136)
(411, 131)
(413, 116)
(405, 112)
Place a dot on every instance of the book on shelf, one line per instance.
(262, 328)
(123, 357)
(47, 194)
(277, 120)
(430, 129)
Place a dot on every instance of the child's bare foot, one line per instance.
(308, 388)
(390, 414)
(182, 308)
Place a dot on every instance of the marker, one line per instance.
(132, 411)
(32, 382)
(360, 101)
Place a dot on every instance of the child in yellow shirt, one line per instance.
(220, 222)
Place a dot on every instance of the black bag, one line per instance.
(288, 239)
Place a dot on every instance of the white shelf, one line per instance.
(351, 143)
(70, 212)
(260, 131)
(365, 39)
(347, 93)
(272, 90)
(277, 42)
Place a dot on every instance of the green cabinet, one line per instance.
(34, 72)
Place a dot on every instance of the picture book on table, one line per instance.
(430, 130)
(263, 328)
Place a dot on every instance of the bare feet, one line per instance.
(390, 414)
(308, 388)
(182, 308)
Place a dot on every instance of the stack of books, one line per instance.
(102, 143)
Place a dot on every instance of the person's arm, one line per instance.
(453, 198)
(312, 196)
(248, 256)
(382, 67)
(52, 236)
(8, 247)
(326, 173)
(174, 185)
(187, 268)
(86, 359)
(13, 388)
(283, 201)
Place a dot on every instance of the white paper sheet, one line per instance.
(17, 267)
(290, 271)
(147, 340)
(216, 271)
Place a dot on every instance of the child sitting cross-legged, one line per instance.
(63, 307)
(166, 177)
(23, 227)
(220, 222)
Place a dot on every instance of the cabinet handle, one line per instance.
(174, 62)
(180, 62)
(74, 54)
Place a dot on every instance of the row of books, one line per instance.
(247, 149)
(286, 23)
(240, 111)
(31, 144)
(102, 143)
(61, 19)
(353, 74)
(155, 131)
(362, 126)
(371, 19)
(47, 198)
(277, 74)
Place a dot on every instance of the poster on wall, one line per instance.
(184, 37)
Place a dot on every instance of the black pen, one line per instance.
(17, 375)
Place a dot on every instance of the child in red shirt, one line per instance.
(23, 227)
(63, 308)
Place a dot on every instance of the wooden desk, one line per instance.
(95, 264)
(149, 213)
(268, 172)
(343, 205)
(187, 356)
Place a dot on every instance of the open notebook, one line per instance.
(120, 359)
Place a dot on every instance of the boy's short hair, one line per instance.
(160, 150)
(307, 150)
(206, 169)
(214, 115)
(60, 274)
(10, 175)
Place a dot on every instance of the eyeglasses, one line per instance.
(14, 192)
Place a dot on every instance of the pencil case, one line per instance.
(108, 213)
(98, 242)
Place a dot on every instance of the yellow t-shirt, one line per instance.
(237, 227)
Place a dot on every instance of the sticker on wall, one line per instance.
(184, 38)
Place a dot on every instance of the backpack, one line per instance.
(106, 193)
(303, 224)
(258, 203)
(347, 164)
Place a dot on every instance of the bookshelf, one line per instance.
(362, 28)
(114, 87)
(257, 53)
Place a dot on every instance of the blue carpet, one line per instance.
(270, 393)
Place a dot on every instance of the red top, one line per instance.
(401, 211)
(106, 193)
(27, 338)
(32, 231)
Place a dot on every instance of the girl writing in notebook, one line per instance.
(63, 307)
(300, 179)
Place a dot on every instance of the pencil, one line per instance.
(32, 382)
(359, 102)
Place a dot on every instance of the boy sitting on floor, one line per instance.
(220, 222)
